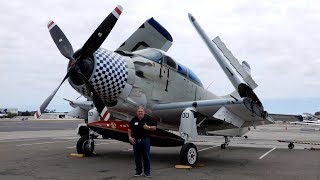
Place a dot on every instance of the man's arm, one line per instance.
(131, 139)
(149, 128)
(152, 125)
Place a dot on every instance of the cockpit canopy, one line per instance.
(160, 57)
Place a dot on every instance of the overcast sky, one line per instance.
(279, 39)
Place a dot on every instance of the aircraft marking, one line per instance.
(51, 24)
(117, 11)
(105, 114)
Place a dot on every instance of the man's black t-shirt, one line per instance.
(136, 127)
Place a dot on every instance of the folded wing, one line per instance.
(149, 34)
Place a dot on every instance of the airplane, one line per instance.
(308, 119)
(140, 73)
(4, 113)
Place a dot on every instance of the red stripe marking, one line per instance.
(50, 24)
(117, 10)
(105, 115)
(37, 114)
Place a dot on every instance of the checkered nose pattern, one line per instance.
(109, 75)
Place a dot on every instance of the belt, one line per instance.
(140, 139)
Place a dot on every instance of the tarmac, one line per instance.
(41, 150)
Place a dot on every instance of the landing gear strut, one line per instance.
(226, 142)
(189, 154)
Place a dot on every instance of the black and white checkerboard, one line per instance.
(109, 76)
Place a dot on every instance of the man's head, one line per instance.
(140, 112)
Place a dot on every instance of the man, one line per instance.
(139, 136)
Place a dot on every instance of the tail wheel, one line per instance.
(83, 146)
(291, 146)
(223, 146)
(189, 154)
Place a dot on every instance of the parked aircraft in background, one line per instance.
(3, 114)
(140, 73)
(308, 119)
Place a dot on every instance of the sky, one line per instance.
(279, 39)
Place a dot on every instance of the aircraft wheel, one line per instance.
(223, 146)
(83, 146)
(291, 146)
(189, 154)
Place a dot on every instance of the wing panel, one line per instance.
(149, 34)
(170, 112)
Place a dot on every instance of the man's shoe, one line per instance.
(138, 175)
(148, 176)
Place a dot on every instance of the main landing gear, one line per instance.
(189, 154)
(226, 142)
(188, 129)
(85, 145)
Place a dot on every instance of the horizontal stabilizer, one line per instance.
(235, 63)
(78, 113)
(235, 132)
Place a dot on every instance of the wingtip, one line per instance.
(192, 19)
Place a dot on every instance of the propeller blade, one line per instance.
(97, 101)
(101, 33)
(60, 40)
(47, 101)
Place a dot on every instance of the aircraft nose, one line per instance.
(109, 76)
(111, 73)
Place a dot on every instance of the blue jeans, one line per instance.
(142, 150)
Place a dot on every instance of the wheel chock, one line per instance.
(183, 167)
(200, 165)
(77, 155)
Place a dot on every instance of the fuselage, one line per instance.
(145, 77)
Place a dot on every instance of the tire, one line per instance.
(291, 146)
(83, 148)
(189, 154)
(223, 146)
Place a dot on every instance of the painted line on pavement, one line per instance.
(207, 148)
(30, 144)
(97, 144)
(266, 153)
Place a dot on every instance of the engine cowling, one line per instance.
(107, 71)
